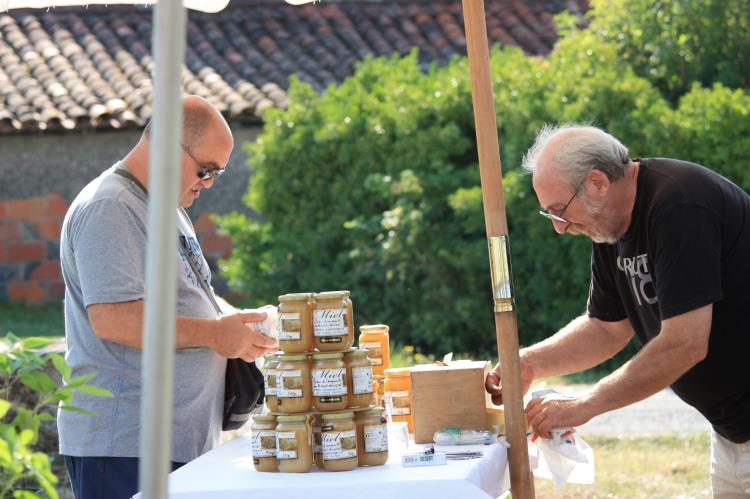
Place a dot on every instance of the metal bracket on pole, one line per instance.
(500, 273)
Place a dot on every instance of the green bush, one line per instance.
(28, 397)
(675, 43)
(374, 187)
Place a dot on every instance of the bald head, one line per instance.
(571, 151)
(199, 118)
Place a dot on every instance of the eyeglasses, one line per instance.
(559, 218)
(205, 172)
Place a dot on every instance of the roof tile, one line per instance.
(73, 68)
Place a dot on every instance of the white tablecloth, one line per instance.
(227, 472)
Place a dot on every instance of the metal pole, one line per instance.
(506, 326)
(161, 263)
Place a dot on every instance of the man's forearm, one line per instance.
(582, 344)
(681, 344)
(122, 323)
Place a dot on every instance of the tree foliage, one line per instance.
(374, 186)
(675, 43)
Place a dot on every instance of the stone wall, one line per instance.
(41, 175)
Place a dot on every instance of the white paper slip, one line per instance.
(412, 460)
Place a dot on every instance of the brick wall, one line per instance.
(30, 248)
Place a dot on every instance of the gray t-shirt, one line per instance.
(103, 257)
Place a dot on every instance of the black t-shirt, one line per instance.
(688, 245)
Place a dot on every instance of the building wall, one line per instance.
(41, 175)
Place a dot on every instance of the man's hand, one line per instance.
(494, 385)
(555, 411)
(237, 339)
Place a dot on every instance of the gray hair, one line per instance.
(578, 149)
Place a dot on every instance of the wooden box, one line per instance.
(448, 396)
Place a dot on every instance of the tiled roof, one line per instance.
(74, 68)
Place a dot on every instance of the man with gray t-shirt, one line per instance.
(102, 252)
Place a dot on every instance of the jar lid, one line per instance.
(328, 355)
(330, 295)
(264, 418)
(291, 358)
(373, 327)
(295, 296)
(292, 419)
(397, 371)
(338, 415)
(358, 352)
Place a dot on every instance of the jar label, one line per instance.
(376, 438)
(291, 327)
(361, 380)
(327, 382)
(290, 384)
(339, 445)
(286, 445)
(263, 443)
(270, 380)
(332, 322)
(370, 345)
(376, 361)
(398, 403)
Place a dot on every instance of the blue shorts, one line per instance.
(104, 477)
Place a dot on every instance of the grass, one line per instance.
(28, 320)
(654, 466)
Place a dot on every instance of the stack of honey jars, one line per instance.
(319, 390)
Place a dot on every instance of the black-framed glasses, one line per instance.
(559, 218)
(205, 172)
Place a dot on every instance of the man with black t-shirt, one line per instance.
(671, 264)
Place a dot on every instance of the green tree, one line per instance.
(675, 43)
(374, 186)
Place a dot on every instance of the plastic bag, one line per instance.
(563, 458)
(457, 436)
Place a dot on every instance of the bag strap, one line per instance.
(180, 239)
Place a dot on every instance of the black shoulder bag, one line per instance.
(243, 387)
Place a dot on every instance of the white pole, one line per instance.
(161, 264)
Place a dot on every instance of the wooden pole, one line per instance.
(506, 325)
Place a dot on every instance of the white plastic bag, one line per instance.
(563, 458)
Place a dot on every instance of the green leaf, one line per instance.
(5, 455)
(35, 343)
(73, 408)
(95, 390)
(61, 365)
(80, 380)
(25, 494)
(4, 408)
(26, 437)
(38, 381)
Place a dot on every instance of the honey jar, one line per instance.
(374, 338)
(372, 437)
(333, 319)
(339, 441)
(358, 378)
(263, 442)
(269, 379)
(328, 375)
(293, 387)
(295, 322)
(398, 395)
(293, 445)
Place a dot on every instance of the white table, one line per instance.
(227, 472)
